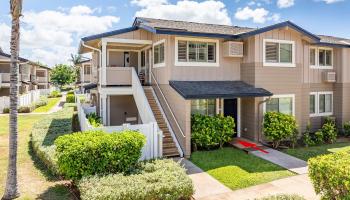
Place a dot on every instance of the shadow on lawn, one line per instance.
(229, 156)
(58, 127)
(57, 192)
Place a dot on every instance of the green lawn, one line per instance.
(310, 152)
(237, 169)
(51, 103)
(34, 181)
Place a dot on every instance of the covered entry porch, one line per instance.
(229, 98)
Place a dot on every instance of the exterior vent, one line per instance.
(329, 77)
(233, 49)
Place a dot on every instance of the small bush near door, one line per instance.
(278, 127)
(70, 98)
(97, 152)
(210, 132)
(330, 175)
(346, 129)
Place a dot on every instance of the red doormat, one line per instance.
(251, 145)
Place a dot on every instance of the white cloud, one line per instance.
(208, 11)
(285, 3)
(330, 1)
(258, 15)
(147, 3)
(50, 36)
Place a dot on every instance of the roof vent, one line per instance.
(233, 49)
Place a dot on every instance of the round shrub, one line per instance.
(346, 127)
(97, 152)
(55, 94)
(70, 98)
(6, 110)
(330, 175)
(278, 127)
(158, 179)
(329, 132)
(211, 131)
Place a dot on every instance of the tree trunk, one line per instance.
(11, 189)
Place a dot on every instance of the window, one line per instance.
(281, 103)
(87, 70)
(321, 58)
(158, 53)
(196, 52)
(312, 100)
(143, 58)
(203, 107)
(321, 103)
(279, 53)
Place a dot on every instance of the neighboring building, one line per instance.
(216, 69)
(87, 77)
(27, 78)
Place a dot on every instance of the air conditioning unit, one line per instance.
(329, 77)
(233, 49)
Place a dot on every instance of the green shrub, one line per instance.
(307, 139)
(42, 102)
(329, 131)
(55, 94)
(70, 92)
(283, 197)
(346, 127)
(94, 119)
(26, 109)
(6, 110)
(96, 152)
(45, 132)
(278, 127)
(211, 131)
(318, 137)
(159, 179)
(330, 175)
(70, 98)
(294, 138)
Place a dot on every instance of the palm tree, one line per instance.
(76, 59)
(11, 189)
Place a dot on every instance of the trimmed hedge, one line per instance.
(211, 131)
(346, 127)
(97, 152)
(55, 94)
(159, 179)
(283, 197)
(70, 98)
(330, 175)
(45, 132)
(278, 127)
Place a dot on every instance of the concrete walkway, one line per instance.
(300, 185)
(286, 161)
(204, 184)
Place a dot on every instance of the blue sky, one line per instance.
(51, 29)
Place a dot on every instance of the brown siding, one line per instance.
(4, 92)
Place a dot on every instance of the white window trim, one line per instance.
(282, 96)
(163, 63)
(317, 111)
(198, 64)
(318, 66)
(267, 64)
(316, 104)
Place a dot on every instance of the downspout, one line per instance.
(260, 124)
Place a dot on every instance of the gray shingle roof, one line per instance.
(193, 26)
(334, 40)
(217, 89)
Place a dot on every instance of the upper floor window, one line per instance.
(281, 103)
(279, 53)
(321, 58)
(158, 54)
(196, 52)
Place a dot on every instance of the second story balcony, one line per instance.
(119, 76)
(41, 79)
(25, 77)
(4, 79)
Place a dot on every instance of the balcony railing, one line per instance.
(25, 77)
(119, 76)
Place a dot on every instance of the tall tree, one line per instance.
(76, 59)
(62, 75)
(11, 188)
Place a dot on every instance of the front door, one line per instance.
(230, 109)
(126, 59)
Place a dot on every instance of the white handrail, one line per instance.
(166, 102)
